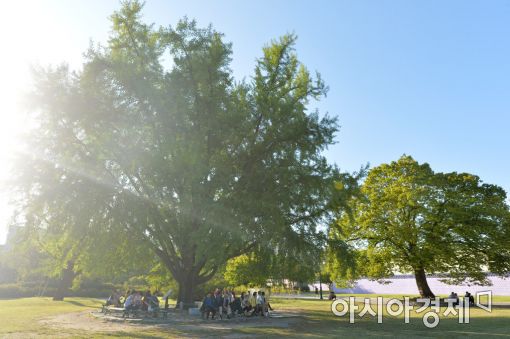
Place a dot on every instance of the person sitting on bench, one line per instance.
(137, 300)
(236, 306)
(266, 306)
(151, 302)
(145, 301)
(129, 304)
(245, 302)
(114, 299)
(259, 304)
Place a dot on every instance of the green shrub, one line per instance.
(14, 291)
(26, 290)
(7, 275)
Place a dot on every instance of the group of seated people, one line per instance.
(134, 300)
(467, 297)
(226, 303)
(219, 302)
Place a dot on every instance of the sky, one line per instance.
(429, 79)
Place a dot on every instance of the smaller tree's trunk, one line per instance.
(66, 281)
(421, 282)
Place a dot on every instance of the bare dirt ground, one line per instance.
(94, 322)
(85, 321)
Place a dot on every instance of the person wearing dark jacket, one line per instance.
(218, 302)
(208, 306)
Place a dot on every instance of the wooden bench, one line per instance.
(112, 310)
(135, 313)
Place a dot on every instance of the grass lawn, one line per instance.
(27, 318)
(22, 315)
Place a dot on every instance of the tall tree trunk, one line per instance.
(187, 287)
(66, 281)
(423, 286)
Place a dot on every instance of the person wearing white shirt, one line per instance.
(129, 303)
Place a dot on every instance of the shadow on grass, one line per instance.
(76, 303)
(317, 323)
(325, 325)
(312, 322)
(396, 327)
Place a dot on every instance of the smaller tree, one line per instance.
(248, 270)
(292, 259)
(410, 219)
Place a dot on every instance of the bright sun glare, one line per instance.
(28, 37)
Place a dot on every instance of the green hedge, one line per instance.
(8, 291)
(16, 291)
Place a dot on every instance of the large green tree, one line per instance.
(411, 219)
(153, 137)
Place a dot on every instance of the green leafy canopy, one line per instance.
(410, 218)
(182, 160)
